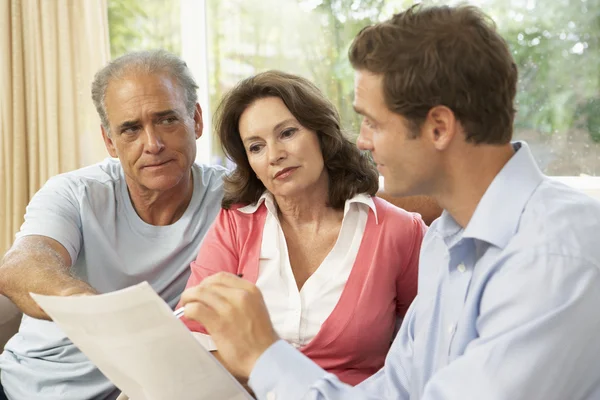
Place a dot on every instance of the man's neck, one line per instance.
(469, 177)
(161, 208)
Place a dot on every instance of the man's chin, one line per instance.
(161, 183)
(396, 190)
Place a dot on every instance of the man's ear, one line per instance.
(198, 124)
(440, 126)
(108, 142)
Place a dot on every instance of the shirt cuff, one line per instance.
(282, 372)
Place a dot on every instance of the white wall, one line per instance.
(194, 51)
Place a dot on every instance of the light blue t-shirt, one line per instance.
(90, 213)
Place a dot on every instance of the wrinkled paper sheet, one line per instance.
(135, 340)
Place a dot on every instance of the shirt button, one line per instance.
(461, 268)
(271, 396)
(451, 329)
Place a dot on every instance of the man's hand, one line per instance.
(234, 313)
(79, 290)
(71, 291)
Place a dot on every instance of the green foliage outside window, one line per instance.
(556, 45)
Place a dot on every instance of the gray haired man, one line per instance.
(138, 217)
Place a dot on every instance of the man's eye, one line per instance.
(168, 121)
(130, 130)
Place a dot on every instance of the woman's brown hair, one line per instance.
(350, 171)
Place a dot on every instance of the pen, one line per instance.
(179, 312)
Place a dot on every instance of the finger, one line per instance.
(189, 295)
(222, 300)
(238, 298)
(195, 293)
(206, 303)
(214, 309)
(216, 298)
(228, 280)
(199, 312)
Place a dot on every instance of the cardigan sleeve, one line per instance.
(407, 282)
(218, 253)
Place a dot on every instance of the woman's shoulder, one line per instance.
(240, 219)
(397, 231)
(244, 211)
(388, 213)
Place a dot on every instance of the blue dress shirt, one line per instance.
(507, 308)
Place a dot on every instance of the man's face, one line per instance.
(151, 131)
(406, 163)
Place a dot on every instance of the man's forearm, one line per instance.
(36, 265)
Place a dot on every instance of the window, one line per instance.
(144, 25)
(556, 45)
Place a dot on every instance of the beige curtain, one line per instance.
(49, 52)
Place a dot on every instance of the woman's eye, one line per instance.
(254, 148)
(288, 132)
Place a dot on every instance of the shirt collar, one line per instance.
(447, 228)
(269, 201)
(266, 198)
(498, 213)
(365, 199)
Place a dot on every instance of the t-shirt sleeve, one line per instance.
(54, 212)
(218, 253)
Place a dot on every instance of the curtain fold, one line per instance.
(50, 51)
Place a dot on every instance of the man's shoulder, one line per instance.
(87, 180)
(561, 220)
(107, 171)
(554, 203)
(209, 175)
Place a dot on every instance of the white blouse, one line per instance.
(297, 316)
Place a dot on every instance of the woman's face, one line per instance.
(284, 155)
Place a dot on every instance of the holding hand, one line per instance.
(234, 313)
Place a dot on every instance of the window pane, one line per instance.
(144, 25)
(556, 45)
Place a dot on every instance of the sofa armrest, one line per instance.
(10, 319)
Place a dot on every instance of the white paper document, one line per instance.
(135, 340)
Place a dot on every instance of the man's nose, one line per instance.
(154, 143)
(364, 142)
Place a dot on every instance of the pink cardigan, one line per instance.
(356, 337)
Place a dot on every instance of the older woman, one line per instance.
(337, 267)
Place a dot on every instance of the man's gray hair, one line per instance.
(149, 62)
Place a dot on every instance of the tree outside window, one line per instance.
(556, 45)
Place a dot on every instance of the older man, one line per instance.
(111, 225)
(509, 275)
